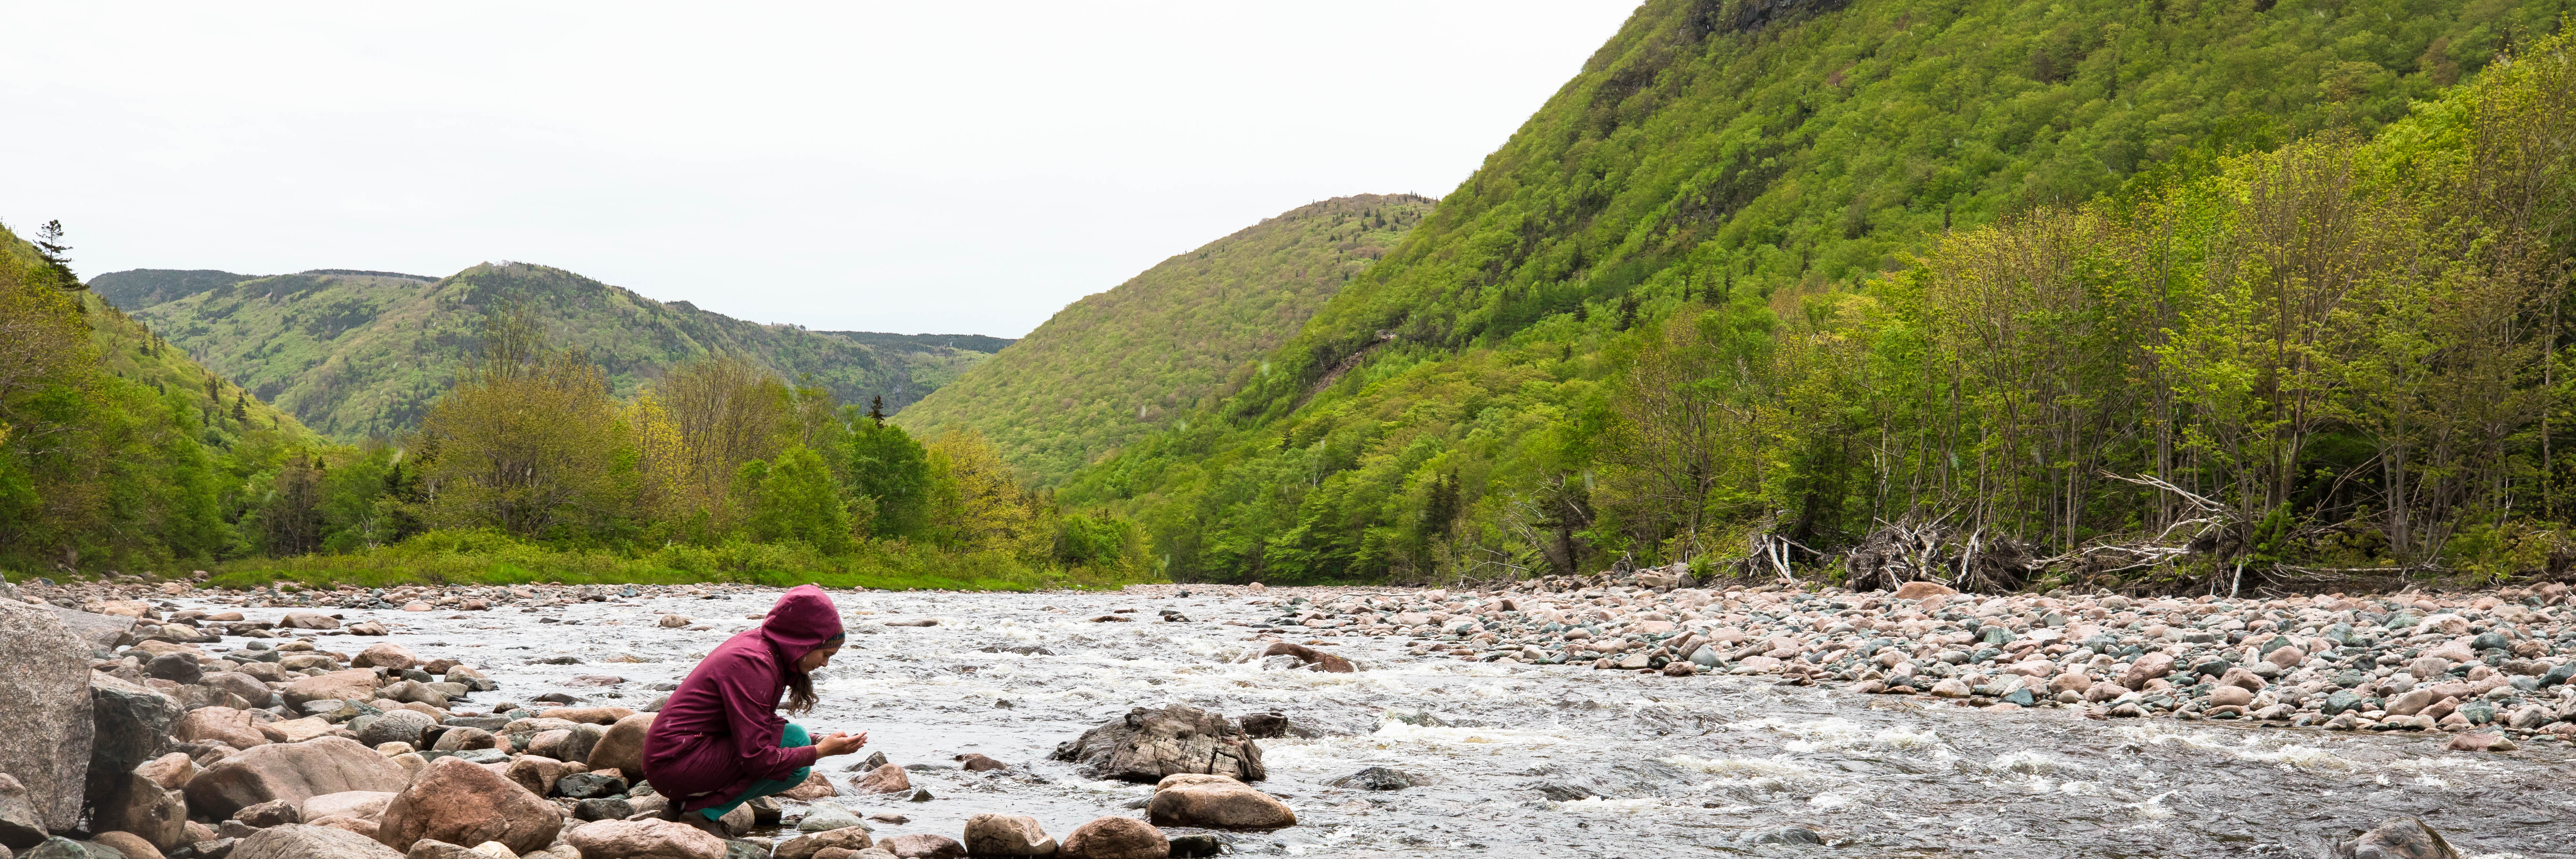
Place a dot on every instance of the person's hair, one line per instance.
(800, 691)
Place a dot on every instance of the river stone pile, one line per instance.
(208, 734)
(2496, 661)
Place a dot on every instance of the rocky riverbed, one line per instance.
(1558, 718)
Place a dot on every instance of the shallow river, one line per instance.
(1709, 765)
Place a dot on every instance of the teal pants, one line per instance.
(792, 738)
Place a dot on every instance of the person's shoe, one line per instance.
(709, 827)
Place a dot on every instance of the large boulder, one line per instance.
(1114, 838)
(302, 841)
(1213, 804)
(356, 684)
(44, 684)
(645, 839)
(622, 747)
(1145, 745)
(293, 772)
(235, 728)
(131, 726)
(466, 803)
(1006, 835)
(138, 805)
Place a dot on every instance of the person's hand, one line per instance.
(839, 743)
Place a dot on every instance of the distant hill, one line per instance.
(355, 353)
(1118, 364)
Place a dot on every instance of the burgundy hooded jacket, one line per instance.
(719, 732)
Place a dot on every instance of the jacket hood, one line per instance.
(803, 619)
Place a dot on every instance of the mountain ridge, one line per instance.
(1124, 361)
(357, 353)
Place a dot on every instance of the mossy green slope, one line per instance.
(1118, 364)
(355, 354)
(1730, 150)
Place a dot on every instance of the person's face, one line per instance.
(817, 658)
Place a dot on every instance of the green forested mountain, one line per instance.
(357, 353)
(116, 451)
(1681, 313)
(1118, 364)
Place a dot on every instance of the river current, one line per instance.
(1525, 760)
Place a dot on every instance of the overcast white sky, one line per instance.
(909, 167)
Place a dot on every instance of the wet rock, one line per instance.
(1006, 835)
(1114, 838)
(396, 726)
(1195, 846)
(2401, 838)
(922, 846)
(2230, 696)
(463, 803)
(1146, 745)
(816, 786)
(1307, 657)
(44, 681)
(1782, 835)
(885, 779)
(2480, 742)
(825, 817)
(302, 841)
(589, 785)
(621, 747)
(1210, 803)
(603, 809)
(645, 839)
(175, 667)
(851, 838)
(1375, 778)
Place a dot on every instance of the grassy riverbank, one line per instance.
(490, 559)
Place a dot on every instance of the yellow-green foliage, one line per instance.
(1750, 171)
(1116, 365)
